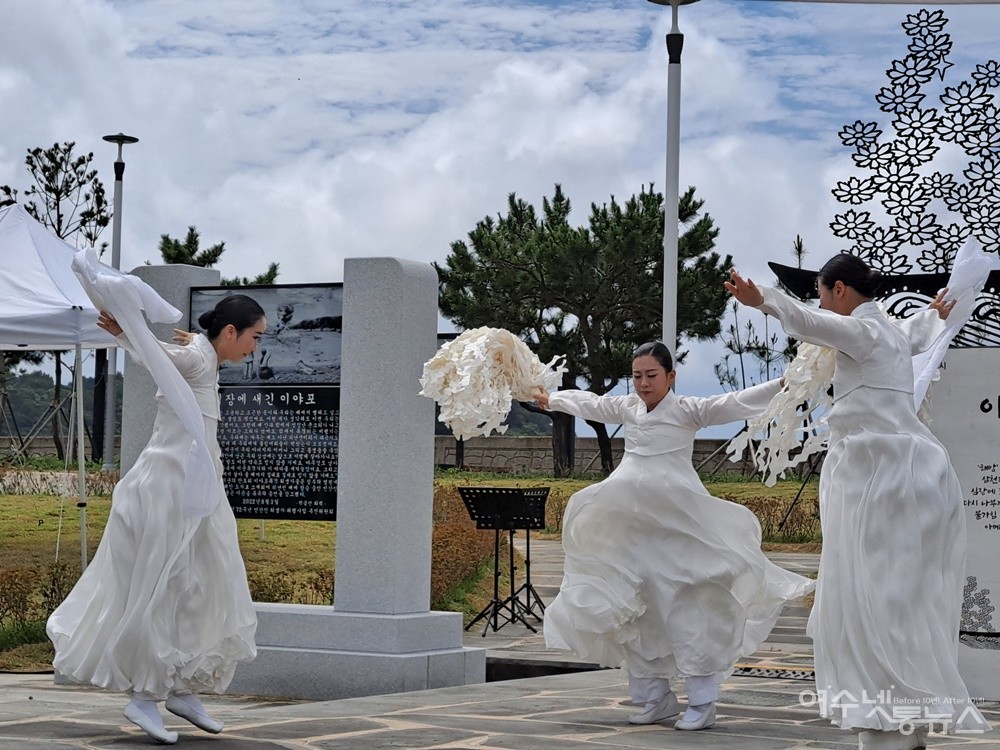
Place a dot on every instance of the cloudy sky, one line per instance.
(307, 131)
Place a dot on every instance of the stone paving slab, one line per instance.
(582, 711)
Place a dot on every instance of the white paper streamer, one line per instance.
(968, 275)
(475, 377)
(795, 419)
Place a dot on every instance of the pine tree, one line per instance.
(592, 293)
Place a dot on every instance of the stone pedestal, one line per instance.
(965, 405)
(317, 653)
(379, 637)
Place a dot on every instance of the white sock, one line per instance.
(694, 713)
(148, 707)
(192, 700)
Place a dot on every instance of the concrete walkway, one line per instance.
(761, 706)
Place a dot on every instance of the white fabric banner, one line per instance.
(126, 297)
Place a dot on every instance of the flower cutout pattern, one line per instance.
(900, 206)
(990, 238)
(899, 98)
(925, 22)
(873, 155)
(977, 608)
(936, 259)
(933, 46)
(852, 224)
(916, 123)
(951, 237)
(893, 176)
(911, 71)
(937, 185)
(985, 174)
(860, 133)
(987, 74)
(957, 127)
(963, 198)
(917, 228)
(854, 190)
(983, 143)
(965, 98)
(914, 151)
(906, 201)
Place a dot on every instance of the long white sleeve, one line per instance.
(587, 405)
(822, 327)
(186, 359)
(126, 298)
(729, 407)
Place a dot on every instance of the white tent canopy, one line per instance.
(42, 304)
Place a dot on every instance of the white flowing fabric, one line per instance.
(888, 601)
(475, 377)
(164, 606)
(660, 577)
(126, 297)
(969, 272)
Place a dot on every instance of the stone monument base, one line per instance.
(979, 668)
(316, 653)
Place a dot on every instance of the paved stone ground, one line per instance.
(578, 710)
(582, 711)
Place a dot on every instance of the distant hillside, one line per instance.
(30, 394)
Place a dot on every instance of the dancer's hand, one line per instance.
(107, 321)
(541, 397)
(182, 337)
(943, 308)
(744, 290)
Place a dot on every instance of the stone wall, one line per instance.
(514, 454)
(502, 453)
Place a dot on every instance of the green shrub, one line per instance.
(17, 587)
(458, 548)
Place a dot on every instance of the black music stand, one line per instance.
(509, 509)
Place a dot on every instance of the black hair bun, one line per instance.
(206, 319)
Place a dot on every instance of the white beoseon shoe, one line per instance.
(189, 707)
(146, 716)
(703, 718)
(665, 708)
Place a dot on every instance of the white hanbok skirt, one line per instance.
(888, 605)
(164, 606)
(661, 578)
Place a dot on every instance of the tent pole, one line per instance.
(81, 474)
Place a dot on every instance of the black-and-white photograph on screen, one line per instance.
(302, 340)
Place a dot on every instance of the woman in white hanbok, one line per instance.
(888, 601)
(661, 578)
(164, 612)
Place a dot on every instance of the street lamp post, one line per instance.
(671, 192)
(116, 255)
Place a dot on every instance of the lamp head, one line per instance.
(121, 138)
